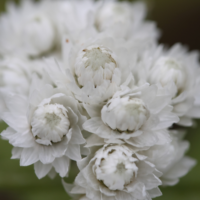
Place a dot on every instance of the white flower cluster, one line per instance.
(87, 81)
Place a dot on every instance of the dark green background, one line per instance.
(179, 21)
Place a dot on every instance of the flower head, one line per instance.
(177, 70)
(116, 171)
(170, 159)
(112, 13)
(116, 168)
(27, 30)
(127, 114)
(50, 135)
(95, 63)
(50, 123)
(139, 117)
(166, 70)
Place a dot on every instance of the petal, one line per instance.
(73, 118)
(42, 170)
(61, 165)
(166, 118)
(155, 192)
(17, 104)
(80, 180)
(85, 161)
(67, 187)
(183, 107)
(90, 177)
(93, 110)
(77, 137)
(29, 156)
(137, 189)
(16, 152)
(150, 181)
(78, 190)
(93, 194)
(22, 139)
(73, 151)
(94, 140)
(185, 121)
(46, 154)
(52, 173)
(96, 126)
(18, 123)
(8, 133)
(194, 112)
(123, 196)
(180, 169)
(56, 72)
(170, 182)
(150, 138)
(158, 104)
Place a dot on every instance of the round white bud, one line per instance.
(95, 63)
(168, 69)
(38, 34)
(112, 13)
(125, 114)
(50, 123)
(115, 166)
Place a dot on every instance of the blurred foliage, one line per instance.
(179, 22)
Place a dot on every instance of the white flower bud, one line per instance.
(115, 166)
(112, 13)
(166, 70)
(38, 34)
(95, 63)
(125, 114)
(50, 123)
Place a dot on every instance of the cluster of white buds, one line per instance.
(106, 96)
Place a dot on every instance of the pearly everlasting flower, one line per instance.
(116, 172)
(126, 20)
(139, 117)
(178, 71)
(170, 159)
(106, 91)
(45, 129)
(128, 113)
(168, 70)
(93, 67)
(112, 12)
(27, 29)
(98, 65)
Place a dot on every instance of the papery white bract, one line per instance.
(50, 134)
